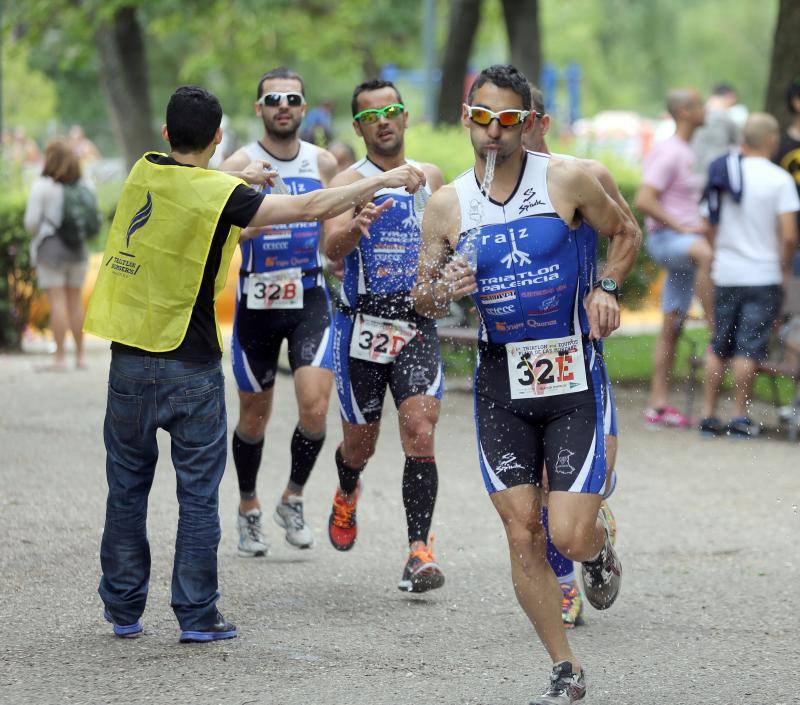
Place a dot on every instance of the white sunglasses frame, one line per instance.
(525, 114)
(284, 96)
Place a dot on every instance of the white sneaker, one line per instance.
(289, 515)
(251, 537)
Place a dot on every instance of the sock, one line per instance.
(247, 459)
(420, 483)
(561, 565)
(305, 450)
(348, 477)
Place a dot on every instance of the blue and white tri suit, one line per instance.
(290, 250)
(376, 287)
(533, 273)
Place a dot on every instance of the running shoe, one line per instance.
(711, 426)
(565, 686)
(421, 572)
(611, 522)
(668, 416)
(571, 605)
(342, 524)
(289, 515)
(251, 537)
(602, 577)
(124, 631)
(743, 427)
(221, 629)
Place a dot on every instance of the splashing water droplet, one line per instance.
(488, 173)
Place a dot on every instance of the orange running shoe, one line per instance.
(342, 524)
(421, 572)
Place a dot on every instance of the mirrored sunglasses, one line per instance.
(506, 118)
(274, 98)
(374, 114)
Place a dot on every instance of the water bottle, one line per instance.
(421, 197)
(279, 186)
(469, 248)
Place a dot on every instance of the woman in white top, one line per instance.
(60, 269)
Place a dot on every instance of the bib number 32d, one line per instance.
(546, 368)
(379, 339)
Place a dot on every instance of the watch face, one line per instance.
(609, 285)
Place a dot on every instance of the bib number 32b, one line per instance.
(272, 290)
(546, 368)
(379, 339)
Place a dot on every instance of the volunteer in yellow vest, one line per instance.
(168, 251)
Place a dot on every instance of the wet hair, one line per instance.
(193, 117)
(537, 99)
(792, 92)
(60, 162)
(280, 72)
(373, 85)
(504, 76)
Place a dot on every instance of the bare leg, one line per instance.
(75, 313)
(535, 583)
(702, 255)
(744, 372)
(575, 528)
(715, 369)
(59, 321)
(663, 359)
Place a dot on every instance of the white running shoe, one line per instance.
(251, 537)
(289, 515)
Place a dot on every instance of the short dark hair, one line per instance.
(792, 92)
(193, 117)
(723, 89)
(373, 85)
(537, 99)
(504, 76)
(280, 72)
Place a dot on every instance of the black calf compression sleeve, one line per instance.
(348, 477)
(304, 454)
(420, 483)
(247, 458)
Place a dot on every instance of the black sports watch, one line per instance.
(608, 285)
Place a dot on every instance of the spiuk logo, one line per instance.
(140, 219)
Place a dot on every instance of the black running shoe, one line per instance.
(743, 427)
(602, 577)
(711, 426)
(565, 686)
(221, 629)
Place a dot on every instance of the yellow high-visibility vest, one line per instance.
(156, 255)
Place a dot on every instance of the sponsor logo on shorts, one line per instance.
(268, 377)
(497, 297)
(501, 310)
(307, 350)
(563, 464)
(371, 406)
(419, 377)
(508, 462)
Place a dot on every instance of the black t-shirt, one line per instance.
(200, 343)
(788, 157)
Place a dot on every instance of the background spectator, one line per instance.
(753, 246)
(84, 148)
(344, 153)
(60, 269)
(788, 154)
(720, 132)
(669, 196)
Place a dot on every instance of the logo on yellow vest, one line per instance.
(140, 219)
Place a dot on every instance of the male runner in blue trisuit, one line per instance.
(379, 340)
(572, 602)
(281, 295)
(538, 385)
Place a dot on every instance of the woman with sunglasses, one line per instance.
(538, 388)
(379, 340)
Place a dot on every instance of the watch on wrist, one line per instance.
(608, 285)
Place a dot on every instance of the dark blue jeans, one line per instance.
(187, 400)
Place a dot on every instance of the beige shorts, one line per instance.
(69, 274)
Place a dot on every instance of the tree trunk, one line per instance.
(522, 25)
(462, 26)
(785, 66)
(123, 74)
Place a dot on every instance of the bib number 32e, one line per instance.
(379, 339)
(546, 368)
(272, 290)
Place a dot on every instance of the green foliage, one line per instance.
(16, 275)
(30, 95)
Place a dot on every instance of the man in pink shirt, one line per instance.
(669, 196)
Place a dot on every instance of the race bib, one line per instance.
(546, 368)
(379, 339)
(280, 289)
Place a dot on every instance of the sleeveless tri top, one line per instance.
(533, 271)
(292, 244)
